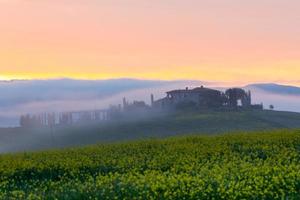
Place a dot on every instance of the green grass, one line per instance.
(256, 165)
(145, 127)
(182, 123)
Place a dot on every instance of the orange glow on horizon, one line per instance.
(231, 77)
(225, 41)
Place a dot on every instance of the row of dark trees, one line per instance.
(46, 119)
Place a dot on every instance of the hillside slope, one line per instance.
(261, 165)
(161, 126)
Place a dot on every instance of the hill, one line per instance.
(260, 165)
(277, 88)
(28, 96)
(143, 127)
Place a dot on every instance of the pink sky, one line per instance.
(221, 40)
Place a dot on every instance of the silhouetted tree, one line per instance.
(22, 121)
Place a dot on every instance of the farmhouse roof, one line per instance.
(195, 90)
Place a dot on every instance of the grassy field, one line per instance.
(256, 165)
(143, 127)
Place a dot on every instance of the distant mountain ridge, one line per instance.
(276, 88)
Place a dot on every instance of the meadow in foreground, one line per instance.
(261, 165)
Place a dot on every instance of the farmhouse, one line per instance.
(197, 98)
(202, 97)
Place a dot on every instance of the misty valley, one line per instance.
(135, 139)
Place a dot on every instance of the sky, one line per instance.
(212, 40)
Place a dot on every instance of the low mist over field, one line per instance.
(284, 98)
(35, 96)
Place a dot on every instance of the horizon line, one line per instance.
(246, 83)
